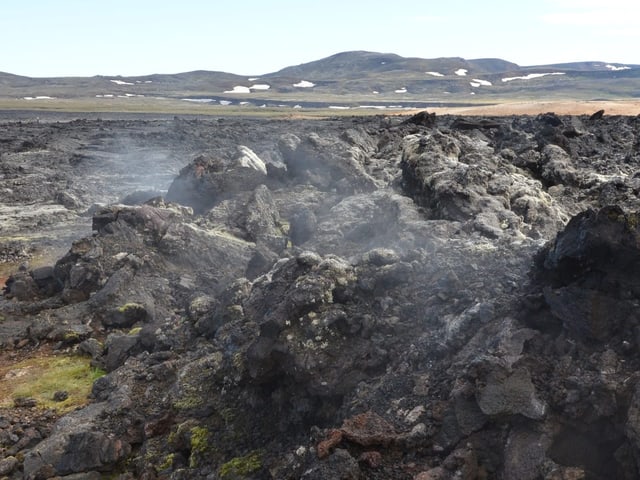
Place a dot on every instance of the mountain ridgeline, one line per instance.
(364, 64)
(353, 79)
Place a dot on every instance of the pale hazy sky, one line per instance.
(252, 37)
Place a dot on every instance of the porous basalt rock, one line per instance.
(460, 178)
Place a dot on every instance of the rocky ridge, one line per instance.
(422, 298)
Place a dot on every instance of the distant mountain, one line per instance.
(358, 64)
(352, 79)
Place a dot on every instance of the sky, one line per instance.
(43, 38)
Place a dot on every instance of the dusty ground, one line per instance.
(622, 107)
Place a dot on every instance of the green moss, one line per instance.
(240, 467)
(129, 307)
(199, 444)
(193, 386)
(135, 331)
(168, 462)
(188, 402)
(199, 439)
(97, 373)
(71, 336)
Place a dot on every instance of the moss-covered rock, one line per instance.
(241, 467)
(126, 315)
(199, 443)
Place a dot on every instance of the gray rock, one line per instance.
(91, 346)
(119, 347)
(83, 476)
(60, 396)
(78, 442)
(558, 167)
(25, 402)
(512, 393)
(126, 315)
(262, 221)
(326, 163)
(303, 226)
(460, 178)
(68, 200)
(340, 465)
(21, 286)
(633, 417)
(207, 181)
(8, 465)
(76, 452)
(525, 454)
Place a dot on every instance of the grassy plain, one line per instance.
(168, 106)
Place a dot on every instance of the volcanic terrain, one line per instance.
(409, 298)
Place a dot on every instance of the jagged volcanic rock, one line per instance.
(345, 298)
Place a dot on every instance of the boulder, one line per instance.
(510, 393)
(119, 347)
(461, 179)
(75, 446)
(423, 118)
(469, 124)
(326, 164)
(126, 315)
(302, 226)
(207, 181)
(588, 272)
(525, 454)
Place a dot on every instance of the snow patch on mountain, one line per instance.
(480, 83)
(614, 68)
(121, 82)
(238, 89)
(531, 76)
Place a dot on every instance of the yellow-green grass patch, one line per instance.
(42, 376)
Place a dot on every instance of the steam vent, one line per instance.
(386, 298)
